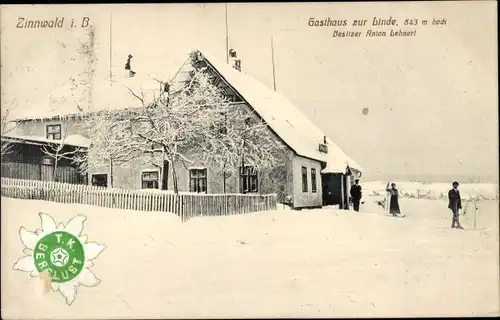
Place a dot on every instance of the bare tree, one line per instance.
(59, 150)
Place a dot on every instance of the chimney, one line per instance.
(128, 67)
(234, 60)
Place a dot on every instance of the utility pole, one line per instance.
(272, 58)
(227, 37)
(272, 53)
(110, 50)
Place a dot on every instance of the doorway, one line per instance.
(332, 189)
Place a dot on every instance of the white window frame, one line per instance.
(189, 178)
(53, 125)
(158, 181)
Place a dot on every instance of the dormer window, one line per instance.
(53, 132)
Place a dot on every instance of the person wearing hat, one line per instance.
(356, 194)
(455, 204)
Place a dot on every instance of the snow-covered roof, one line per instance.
(72, 140)
(284, 118)
(338, 160)
(298, 132)
(109, 95)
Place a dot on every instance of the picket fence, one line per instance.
(186, 206)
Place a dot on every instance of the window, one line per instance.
(53, 132)
(304, 179)
(100, 180)
(314, 187)
(249, 180)
(154, 147)
(198, 180)
(150, 180)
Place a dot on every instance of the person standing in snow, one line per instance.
(356, 194)
(394, 199)
(455, 204)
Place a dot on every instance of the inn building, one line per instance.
(313, 170)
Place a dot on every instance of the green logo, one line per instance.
(61, 254)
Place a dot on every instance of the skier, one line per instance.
(356, 194)
(455, 204)
(394, 199)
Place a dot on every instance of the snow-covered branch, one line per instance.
(111, 144)
(185, 121)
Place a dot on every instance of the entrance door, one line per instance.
(332, 189)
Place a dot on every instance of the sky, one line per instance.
(431, 99)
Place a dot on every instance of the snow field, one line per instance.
(310, 263)
(485, 191)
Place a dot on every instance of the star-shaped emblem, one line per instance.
(59, 257)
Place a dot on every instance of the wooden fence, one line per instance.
(43, 172)
(186, 206)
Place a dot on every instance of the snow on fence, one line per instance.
(186, 206)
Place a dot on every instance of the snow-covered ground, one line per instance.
(487, 191)
(310, 263)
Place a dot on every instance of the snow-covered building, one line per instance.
(34, 157)
(315, 171)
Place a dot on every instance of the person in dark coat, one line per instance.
(356, 194)
(394, 199)
(455, 204)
